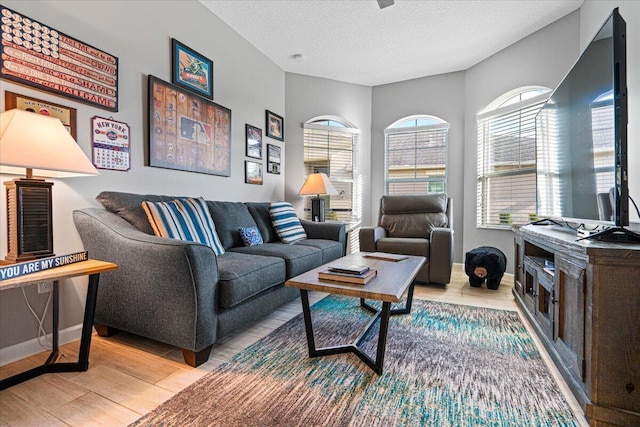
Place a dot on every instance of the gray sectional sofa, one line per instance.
(181, 293)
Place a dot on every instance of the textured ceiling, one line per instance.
(357, 42)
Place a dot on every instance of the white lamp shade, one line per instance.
(31, 140)
(317, 184)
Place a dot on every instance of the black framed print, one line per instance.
(254, 141)
(273, 159)
(275, 126)
(252, 172)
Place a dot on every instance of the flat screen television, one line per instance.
(581, 137)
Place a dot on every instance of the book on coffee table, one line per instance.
(385, 256)
(349, 269)
(360, 279)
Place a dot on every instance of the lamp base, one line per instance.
(317, 209)
(29, 219)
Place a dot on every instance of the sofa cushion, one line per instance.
(243, 276)
(286, 222)
(183, 219)
(331, 250)
(405, 246)
(251, 236)
(129, 207)
(260, 213)
(229, 217)
(297, 258)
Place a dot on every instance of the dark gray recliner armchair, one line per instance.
(415, 225)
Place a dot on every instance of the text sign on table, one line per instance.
(28, 267)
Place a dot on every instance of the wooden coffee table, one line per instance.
(393, 280)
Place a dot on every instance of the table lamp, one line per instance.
(317, 184)
(43, 146)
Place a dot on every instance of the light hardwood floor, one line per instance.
(129, 375)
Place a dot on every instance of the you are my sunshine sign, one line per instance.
(29, 267)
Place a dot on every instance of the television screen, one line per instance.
(581, 136)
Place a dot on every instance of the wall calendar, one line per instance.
(110, 142)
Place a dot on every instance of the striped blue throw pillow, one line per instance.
(184, 219)
(286, 222)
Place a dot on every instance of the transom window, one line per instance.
(506, 186)
(330, 146)
(416, 155)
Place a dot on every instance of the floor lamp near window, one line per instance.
(317, 184)
(44, 148)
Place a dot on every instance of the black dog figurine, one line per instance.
(483, 263)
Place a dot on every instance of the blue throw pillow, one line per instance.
(286, 222)
(251, 236)
(184, 219)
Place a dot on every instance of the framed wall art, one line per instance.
(275, 126)
(187, 132)
(110, 144)
(37, 55)
(191, 70)
(252, 172)
(67, 115)
(254, 141)
(273, 159)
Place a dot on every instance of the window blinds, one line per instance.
(506, 188)
(416, 160)
(332, 152)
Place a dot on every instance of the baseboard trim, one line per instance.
(29, 348)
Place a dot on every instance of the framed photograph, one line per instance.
(187, 132)
(36, 55)
(67, 115)
(273, 159)
(252, 172)
(191, 70)
(275, 126)
(110, 144)
(254, 141)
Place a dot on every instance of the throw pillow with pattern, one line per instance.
(286, 222)
(184, 219)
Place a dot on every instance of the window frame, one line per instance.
(502, 107)
(396, 128)
(345, 126)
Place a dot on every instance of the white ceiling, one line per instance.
(357, 42)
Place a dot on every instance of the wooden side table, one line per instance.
(91, 268)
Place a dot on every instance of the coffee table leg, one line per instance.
(382, 337)
(377, 364)
(304, 296)
(405, 310)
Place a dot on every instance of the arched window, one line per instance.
(330, 146)
(506, 189)
(416, 155)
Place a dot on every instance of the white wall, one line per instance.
(308, 97)
(592, 15)
(542, 59)
(139, 33)
(442, 96)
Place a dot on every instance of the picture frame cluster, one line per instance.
(187, 130)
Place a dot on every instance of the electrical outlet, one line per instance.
(44, 287)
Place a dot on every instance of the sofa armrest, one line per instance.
(164, 289)
(369, 236)
(441, 255)
(326, 230)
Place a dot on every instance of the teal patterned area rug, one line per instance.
(446, 365)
